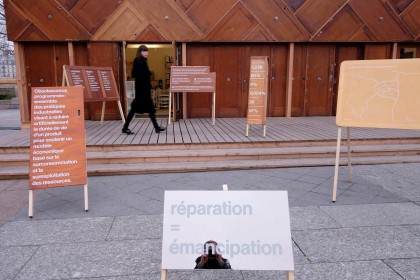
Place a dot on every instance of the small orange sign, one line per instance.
(258, 89)
(192, 79)
(58, 149)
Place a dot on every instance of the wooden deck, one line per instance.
(197, 145)
(226, 130)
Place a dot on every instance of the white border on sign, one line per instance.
(251, 227)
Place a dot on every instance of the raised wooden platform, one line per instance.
(197, 145)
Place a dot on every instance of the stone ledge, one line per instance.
(9, 104)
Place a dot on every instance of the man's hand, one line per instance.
(219, 259)
(203, 260)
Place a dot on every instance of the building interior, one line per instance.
(161, 58)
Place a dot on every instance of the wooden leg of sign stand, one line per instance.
(348, 156)
(121, 111)
(247, 130)
(163, 274)
(264, 129)
(31, 204)
(86, 198)
(337, 159)
(103, 112)
(290, 275)
(213, 112)
(170, 107)
(174, 108)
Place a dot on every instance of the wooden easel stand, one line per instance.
(31, 201)
(337, 161)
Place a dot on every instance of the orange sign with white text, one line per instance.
(258, 89)
(98, 82)
(58, 148)
(192, 79)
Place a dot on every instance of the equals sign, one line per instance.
(175, 227)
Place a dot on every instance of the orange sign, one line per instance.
(58, 149)
(192, 79)
(185, 70)
(258, 89)
(193, 82)
(98, 82)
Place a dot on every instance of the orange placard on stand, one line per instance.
(98, 84)
(193, 79)
(258, 90)
(58, 148)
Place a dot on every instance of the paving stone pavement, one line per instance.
(371, 232)
(9, 121)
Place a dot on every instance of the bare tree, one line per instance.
(6, 47)
(7, 55)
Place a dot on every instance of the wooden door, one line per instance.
(228, 64)
(44, 65)
(343, 52)
(378, 51)
(319, 82)
(199, 104)
(277, 81)
(299, 81)
(313, 75)
(106, 55)
(80, 54)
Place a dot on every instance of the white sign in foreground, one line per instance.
(252, 228)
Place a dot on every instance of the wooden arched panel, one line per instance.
(214, 21)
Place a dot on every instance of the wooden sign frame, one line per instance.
(192, 79)
(98, 85)
(258, 92)
(376, 94)
(57, 136)
(290, 274)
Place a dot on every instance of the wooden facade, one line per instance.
(305, 41)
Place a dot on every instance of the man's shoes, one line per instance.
(127, 131)
(160, 128)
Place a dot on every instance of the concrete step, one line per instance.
(224, 154)
(187, 166)
(116, 169)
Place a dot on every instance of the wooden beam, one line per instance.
(123, 93)
(71, 53)
(289, 81)
(394, 50)
(184, 94)
(24, 103)
(175, 97)
(8, 81)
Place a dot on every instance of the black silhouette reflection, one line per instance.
(211, 258)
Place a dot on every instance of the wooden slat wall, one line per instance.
(214, 21)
